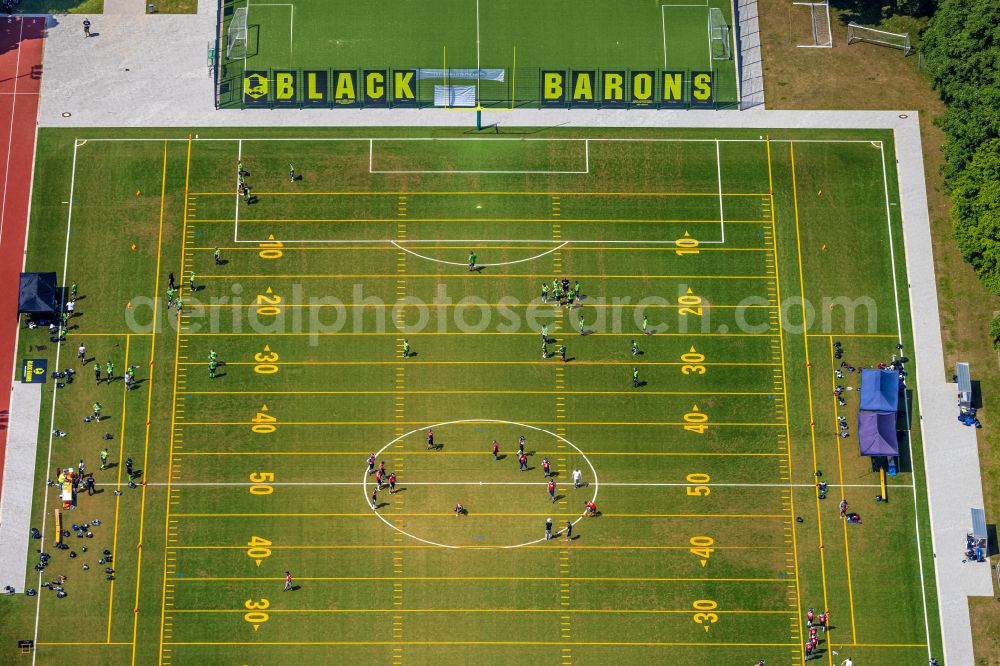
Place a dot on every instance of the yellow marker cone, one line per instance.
(133, 247)
(138, 193)
(129, 306)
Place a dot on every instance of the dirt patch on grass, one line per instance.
(866, 76)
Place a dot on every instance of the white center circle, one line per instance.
(565, 441)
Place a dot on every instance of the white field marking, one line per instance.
(10, 135)
(481, 138)
(244, 484)
(246, 38)
(906, 406)
(371, 169)
(364, 479)
(722, 215)
(663, 27)
(52, 417)
(458, 263)
(236, 226)
(474, 241)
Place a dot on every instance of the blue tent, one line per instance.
(879, 390)
(877, 434)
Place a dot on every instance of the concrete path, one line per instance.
(18, 483)
(951, 453)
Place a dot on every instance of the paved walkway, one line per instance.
(951, 454)
(150, 71)
(18, 483)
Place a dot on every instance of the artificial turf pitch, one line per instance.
(520, 36)
(699, 474)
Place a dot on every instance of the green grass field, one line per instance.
(469, 34)
(700, 474)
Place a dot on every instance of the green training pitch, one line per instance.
(520, 39)
(711, 541)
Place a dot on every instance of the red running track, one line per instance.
(22, 43)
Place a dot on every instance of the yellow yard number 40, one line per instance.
(258, 549)
(702, 548)
(696, 421)
(263, 423)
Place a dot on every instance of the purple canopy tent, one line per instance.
(879, 390)
(877, 434)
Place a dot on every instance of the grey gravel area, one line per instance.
(18, 482)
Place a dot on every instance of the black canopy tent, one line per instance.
(38, 294)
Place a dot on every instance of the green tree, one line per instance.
(995, 332)
(961, 49)
(975, 213)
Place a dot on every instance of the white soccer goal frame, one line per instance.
(817, 23)
(860, 33)
(238, 33)
(719, 33)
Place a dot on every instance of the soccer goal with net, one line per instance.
(718, 32)
(819, 13)
(896, 40)
(236, 37)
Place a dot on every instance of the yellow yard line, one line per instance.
(118, 483)
(396, 334)
(386, 246)
(651, 306)
(173, 416)
(894, 336)
(471, 453)
(840, 469)
(553, 423)
(478, 392)
(149, 395)
(369, 514)
(426, 546)
(462, 220)
(683, 611)
(510, 193)
(784, 388)
(412, 362)
(575, 642)
(812, 418)
(463, 276)
(103, 335)
(493, 578)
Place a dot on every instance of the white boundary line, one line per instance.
(10, 135)
(722, 215)
(364, 480)
(906, 406)
(371, 168)
(52, 416)
(482, 138)
(663, 27)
